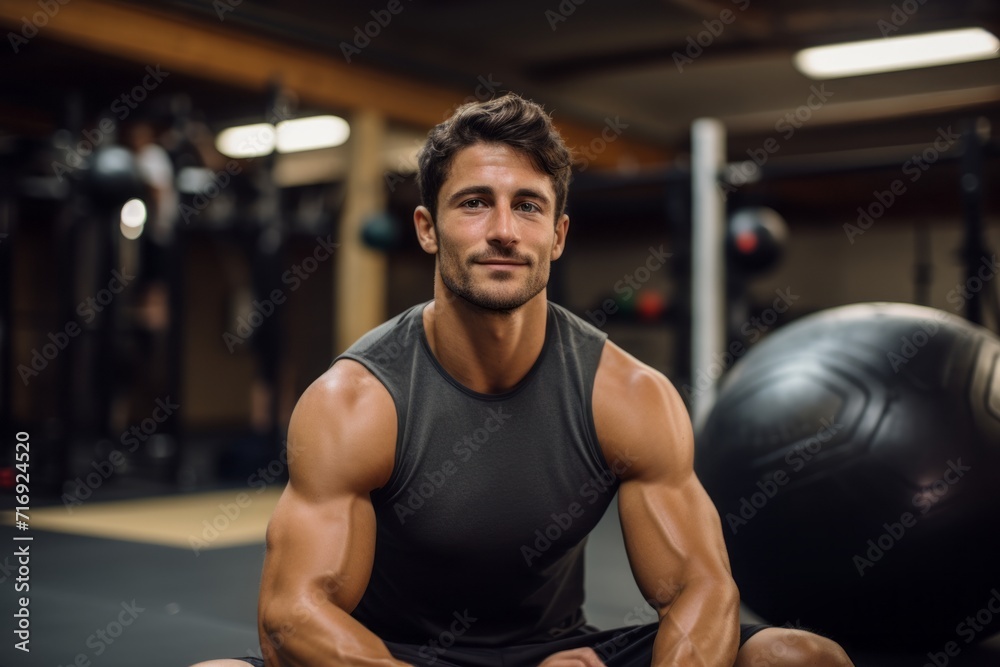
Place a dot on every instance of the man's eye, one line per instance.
(473, 203)
(528, 207)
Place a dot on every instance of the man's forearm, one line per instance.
(321, 635)
(700, 629)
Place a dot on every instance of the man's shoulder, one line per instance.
(345, 384)
(625, 380)
(343, 422)
(638, 413)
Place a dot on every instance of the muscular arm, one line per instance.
(672, 531)
(321, 537)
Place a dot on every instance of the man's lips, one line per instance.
(501, 262)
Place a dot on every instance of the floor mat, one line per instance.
(198, 521)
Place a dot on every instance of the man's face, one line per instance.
(496, 232)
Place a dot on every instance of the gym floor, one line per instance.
(144, 582)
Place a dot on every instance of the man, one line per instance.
(445, 471)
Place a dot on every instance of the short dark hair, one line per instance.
(512, 120)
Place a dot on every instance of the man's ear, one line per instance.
(426, 231)
(559, 243)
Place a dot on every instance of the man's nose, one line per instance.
(503, 227)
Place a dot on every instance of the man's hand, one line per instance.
(578, 657)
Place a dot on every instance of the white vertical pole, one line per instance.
(708, 210)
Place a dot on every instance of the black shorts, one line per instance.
(623, 647)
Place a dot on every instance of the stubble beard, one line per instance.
(495, 300)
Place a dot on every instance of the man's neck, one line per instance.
(487, 352)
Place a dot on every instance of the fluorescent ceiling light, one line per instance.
(289, 136)
(306, 134)
(246, 140)
(897, 53)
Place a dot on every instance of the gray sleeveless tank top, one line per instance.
(482, 524)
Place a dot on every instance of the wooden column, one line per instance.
(360, 280)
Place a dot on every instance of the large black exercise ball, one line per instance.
(854, 458)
